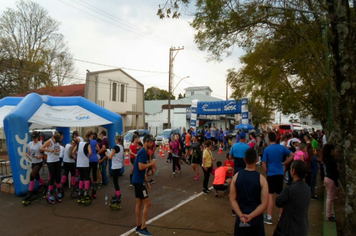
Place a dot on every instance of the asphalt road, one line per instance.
(70, 218)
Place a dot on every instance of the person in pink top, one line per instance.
(302, 154)
(174, 146)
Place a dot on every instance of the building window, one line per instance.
(122, 93)
(114, 91)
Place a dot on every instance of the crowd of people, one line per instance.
(292, 158)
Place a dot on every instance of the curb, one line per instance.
(329, 227)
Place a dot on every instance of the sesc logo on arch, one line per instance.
(83, 116)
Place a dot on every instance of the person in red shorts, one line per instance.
(221, 183)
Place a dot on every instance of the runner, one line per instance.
(83, 150)
(93, 162)
(133, 153)
(196, 156)
(274, 157)
(105, 144)
(141, 189)
(52, 148)
(117, 158)
(174, 146)
(69, 165)
(37, 160)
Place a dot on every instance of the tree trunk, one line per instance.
(344, 102)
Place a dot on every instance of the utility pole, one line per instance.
(96, 89)
(170, 74)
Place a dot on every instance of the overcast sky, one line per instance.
(127, 34)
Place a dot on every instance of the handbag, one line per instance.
(277, 230)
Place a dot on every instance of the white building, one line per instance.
(156, 111)
(119, 92)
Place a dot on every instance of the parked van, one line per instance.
(128, 136)
(165, 136)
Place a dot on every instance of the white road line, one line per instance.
(167, 212)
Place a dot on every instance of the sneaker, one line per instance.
(131, 185)
(152, 181)
(204, 191)
(173, 174)
(208, 190)
(144, 232)
(157, 173)
(233, 213)
(332, 218)
(267, 221)
(314, 196)
(138, 228)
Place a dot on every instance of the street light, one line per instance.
(179, 82)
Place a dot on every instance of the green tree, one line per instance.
(180, 96)
(286, 62)
(33, 54)
(155, 93)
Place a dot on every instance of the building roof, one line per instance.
(198, 88)
(59, 91)
(155, 106)
(112, 70)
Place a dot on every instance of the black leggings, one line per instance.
(115, 177)
(206, 177)
(54, 169)
(84, 173)
(175, 163)
(36, 167)
(93, 168)
(69, 167)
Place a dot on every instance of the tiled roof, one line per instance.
(59, 91)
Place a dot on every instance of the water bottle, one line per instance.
(106, 199)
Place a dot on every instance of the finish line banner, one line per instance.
(221, 107)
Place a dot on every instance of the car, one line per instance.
(46, 134)
(165, 136)
(128, 136)
(233, 134)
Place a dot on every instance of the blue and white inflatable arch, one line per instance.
(47, 111)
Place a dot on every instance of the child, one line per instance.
(302, 153)
(314, 171)
(230, 143)
(229, 163)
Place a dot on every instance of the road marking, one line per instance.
(167, 212)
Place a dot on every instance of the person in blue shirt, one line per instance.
(221, 138)
(275, 156)
(238, 151)
(208, 135)
(142, 185)
(226, 138)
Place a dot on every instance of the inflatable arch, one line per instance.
(61, 112)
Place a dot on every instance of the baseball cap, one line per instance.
(242, 135)
(148, 138)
